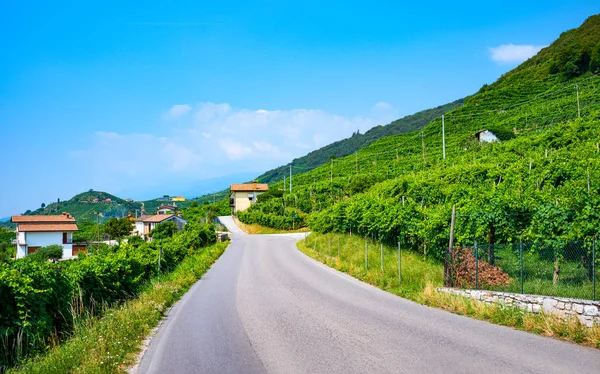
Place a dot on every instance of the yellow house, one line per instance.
(177, 198)
(244, 195)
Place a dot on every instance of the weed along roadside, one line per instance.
(110, 344)
(410, 275)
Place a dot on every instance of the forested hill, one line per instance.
(350, 145)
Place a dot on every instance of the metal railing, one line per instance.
(557, 268)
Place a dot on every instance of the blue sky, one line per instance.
(151, 98)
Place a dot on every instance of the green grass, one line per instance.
(420, 279)
(416, 271)
(110, 344)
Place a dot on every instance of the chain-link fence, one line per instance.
(558, 268)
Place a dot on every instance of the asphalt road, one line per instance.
(266, 307)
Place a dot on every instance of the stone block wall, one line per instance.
(587, 311)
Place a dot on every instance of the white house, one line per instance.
(145, 223)
(486, 136)
(34, 232)
(244, 195)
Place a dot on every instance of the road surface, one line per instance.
(264, 307)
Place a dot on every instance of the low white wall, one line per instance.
(587, 311)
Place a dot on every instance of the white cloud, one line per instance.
(218, 140)
(513, 53)
(382, 105)
(177, 111)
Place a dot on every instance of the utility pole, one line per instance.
(284, 188)
(290, 178)
(423, 145)
(331, 177)
(577, 91)
(443, 138)
(356, 159)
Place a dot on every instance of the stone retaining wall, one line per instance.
(587, 311)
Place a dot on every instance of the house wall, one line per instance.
(242, 202)
(487, 137)
(139, 228)
(44, 239)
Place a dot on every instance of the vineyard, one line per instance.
(539, 182)
(41, 300)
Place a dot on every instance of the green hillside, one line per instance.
(540, 182)
(350, 145)
(84, 206)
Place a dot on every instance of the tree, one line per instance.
(43, 205)
(163, 230)
(595, 59)
(118, 227)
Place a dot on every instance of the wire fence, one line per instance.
(558, 268)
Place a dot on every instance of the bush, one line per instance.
(52, 252)
(163, 230)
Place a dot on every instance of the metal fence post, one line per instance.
(366, 254)
(399, 264)
(476, 266)
(159, 255)
(521, 261)
(594, 267)
(381, 255)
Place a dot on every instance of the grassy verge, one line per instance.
(416, 271)
(110, 344)
(255, 229)
(421, 277)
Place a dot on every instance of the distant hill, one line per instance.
(85, 206)
(352, 144)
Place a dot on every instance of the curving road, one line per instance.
(264, 307)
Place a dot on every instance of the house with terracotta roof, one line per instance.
(244, 195)
(145, 223)
(34, 232)
(166, 208)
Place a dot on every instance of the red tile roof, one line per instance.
(154, 218)
(62, 218)
(42, 227)
(249, 187)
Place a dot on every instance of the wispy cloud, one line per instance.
(177, 111)
(214, 139)
(514, 53)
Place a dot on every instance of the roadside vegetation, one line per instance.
(44, 302)
(111, 343)
(420, 277)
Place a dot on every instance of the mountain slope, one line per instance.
(350, 145)
(541, 182)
